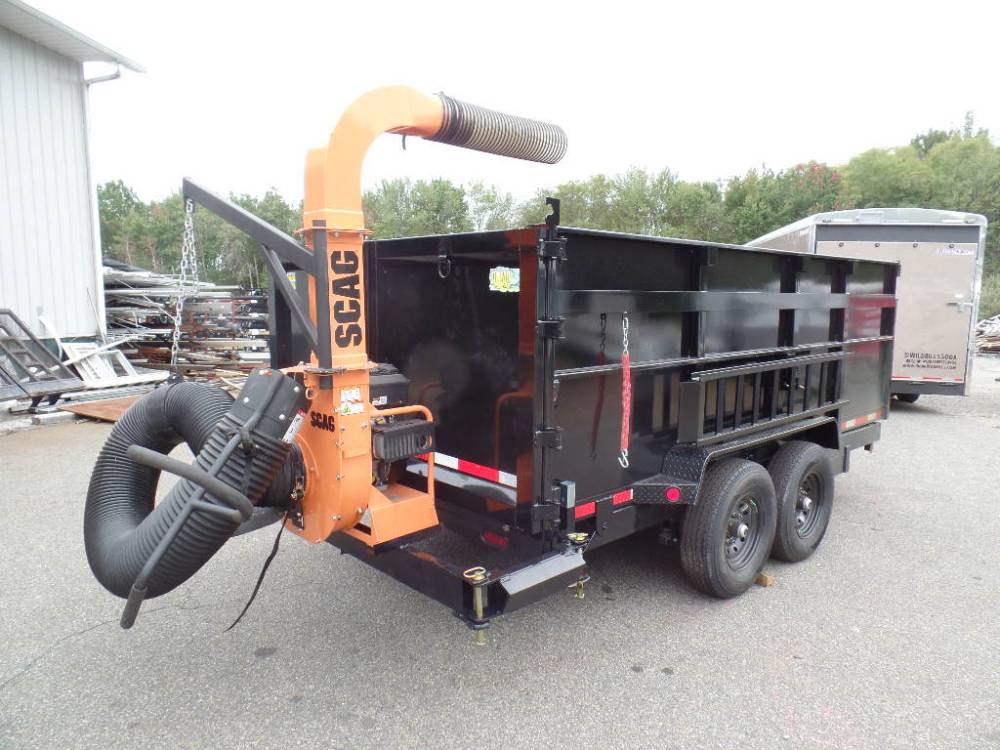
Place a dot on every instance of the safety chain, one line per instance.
(626, 395)
(188, 277)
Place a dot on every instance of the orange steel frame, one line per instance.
(336, 440)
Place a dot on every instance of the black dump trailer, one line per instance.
(750, 377)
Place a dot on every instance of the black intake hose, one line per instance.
(240, 442)
(481, 129)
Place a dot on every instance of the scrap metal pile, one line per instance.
(988, 335)
(223, 329)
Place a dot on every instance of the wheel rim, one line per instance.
(743, 532)
(808, 503)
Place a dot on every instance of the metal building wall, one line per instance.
(48, 259)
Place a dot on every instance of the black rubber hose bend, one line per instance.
(121, 525)
(481, 129)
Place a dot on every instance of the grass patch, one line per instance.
(989, 300)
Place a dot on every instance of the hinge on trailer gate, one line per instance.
(548, 509)
(550, 329)
(550, 437)
(544, 512)
(552, 249)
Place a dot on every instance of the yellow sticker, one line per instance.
(504, 279)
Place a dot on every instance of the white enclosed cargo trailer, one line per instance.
(941, 258)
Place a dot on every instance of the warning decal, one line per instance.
(293, 428)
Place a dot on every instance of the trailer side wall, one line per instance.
(446, 311)
(737, 316)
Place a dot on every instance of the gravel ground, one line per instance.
(888, 637)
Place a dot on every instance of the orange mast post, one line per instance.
(336, 438)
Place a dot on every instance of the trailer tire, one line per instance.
(802, 474)
(728, 533)
(907, 398)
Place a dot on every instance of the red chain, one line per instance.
(626, 394)
(626, 403)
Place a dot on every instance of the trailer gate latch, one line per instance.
(543, 511)
(549, 437)
(550, 329)
(552, 249)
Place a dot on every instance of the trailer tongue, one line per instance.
(545, 391)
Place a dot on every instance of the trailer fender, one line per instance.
(684, 466)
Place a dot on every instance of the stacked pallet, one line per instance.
(222, 327)
(988, 335)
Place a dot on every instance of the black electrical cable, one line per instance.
(263, 572)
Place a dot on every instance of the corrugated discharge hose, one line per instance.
(239, 442)
(481, 129)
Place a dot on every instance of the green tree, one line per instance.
(117, 203)
(407, 208)
(489, 207)
(640, 201)
(150, 235)
(696, 211)
(634, 201)
(585, 203)
(238, 256)
(955, 169)
(966, 177)
(158, 232)
(924, 142)
(888, 178)
(761, 201)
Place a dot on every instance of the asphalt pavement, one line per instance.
(888, 637)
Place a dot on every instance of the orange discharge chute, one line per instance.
(335, 439)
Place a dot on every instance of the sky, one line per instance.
(235, 93)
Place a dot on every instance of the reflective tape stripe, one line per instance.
(858, 421)
(473, 469)
(620, 498)
(926, 377)
(590, 508)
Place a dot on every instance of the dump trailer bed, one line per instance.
(515, 340)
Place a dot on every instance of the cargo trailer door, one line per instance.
(935, 294)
